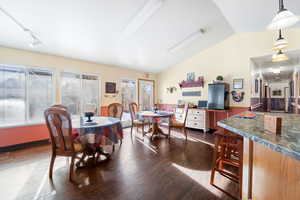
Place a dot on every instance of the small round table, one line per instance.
(95, 133)
(155, 130)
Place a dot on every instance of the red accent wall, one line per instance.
(22, 134)
(167, 107)
(104, 111)
(25, 134)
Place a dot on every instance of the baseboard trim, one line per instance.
(23, 145)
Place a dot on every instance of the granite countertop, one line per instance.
(289, 141)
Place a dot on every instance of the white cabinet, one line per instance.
(197, 119)
(179, 114)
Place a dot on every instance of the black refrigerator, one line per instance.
(218, 96)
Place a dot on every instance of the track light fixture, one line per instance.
(34, 40)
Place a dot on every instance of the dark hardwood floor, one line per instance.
(138, 170)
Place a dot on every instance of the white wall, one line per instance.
(229, 58)
(59, 64)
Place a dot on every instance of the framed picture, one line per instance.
(238, 83)
(110, 87)
(190, 77)
(276, 93)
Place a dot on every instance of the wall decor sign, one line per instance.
(238, 83)
(191, 82)
(191, 94)
(110, 87)
(237, 96)
(171, 89)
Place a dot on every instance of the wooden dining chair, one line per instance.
(179, 123)
(63, 143)
(135, 122)
(60, 106)
(228, 153)
(115, 110)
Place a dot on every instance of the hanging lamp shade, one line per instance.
(283, 19)
(280, 43)
(279, 57)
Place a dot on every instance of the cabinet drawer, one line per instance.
(199, 112)
(193, 124)
(179, 110)
(195, 118)
(178, 116)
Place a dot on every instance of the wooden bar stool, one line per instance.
(228, 153)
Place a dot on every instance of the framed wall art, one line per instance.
(238, 83)
(110, 87)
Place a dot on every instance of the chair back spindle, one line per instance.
(115, 110)
(133, 108)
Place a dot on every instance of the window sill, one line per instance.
(21, 125)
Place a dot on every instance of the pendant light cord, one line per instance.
(280, 35)
(281, 6)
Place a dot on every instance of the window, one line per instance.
(128, 94)
(40, 93)
(24, 94)
(79, 92)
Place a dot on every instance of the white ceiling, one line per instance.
(253, 15)
(93, 30)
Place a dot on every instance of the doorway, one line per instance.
(146, 90)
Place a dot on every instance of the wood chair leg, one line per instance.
(80, 163)
(113, 149)
(185, 133)
(71, 168)
(214, 163)
(53, 156)
(212, 176)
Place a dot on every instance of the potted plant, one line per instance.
(220, 78)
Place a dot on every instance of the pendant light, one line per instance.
(280, 43)
(283, 19)
(279, 57)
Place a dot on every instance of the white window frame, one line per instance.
(136, 87)
(80, 74)
(26, 71)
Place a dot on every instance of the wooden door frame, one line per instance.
(138, 85)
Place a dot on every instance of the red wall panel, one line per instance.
(25, 134)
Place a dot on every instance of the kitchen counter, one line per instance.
(289, 141)
(271, 167)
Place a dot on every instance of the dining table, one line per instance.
(99, 132)
(154, 117)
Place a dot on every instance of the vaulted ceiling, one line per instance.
(93, 30)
